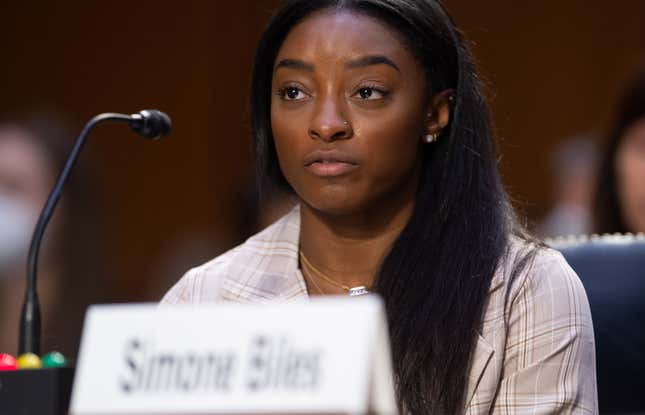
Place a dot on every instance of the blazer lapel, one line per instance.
(481, 358)
(269, 271)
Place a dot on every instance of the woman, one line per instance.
(620, 194)
(371, 112)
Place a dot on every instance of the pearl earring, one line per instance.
(430, 138)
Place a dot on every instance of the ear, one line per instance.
(439, 111)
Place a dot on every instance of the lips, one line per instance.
(330, 163)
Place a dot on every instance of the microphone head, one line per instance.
(151, 123)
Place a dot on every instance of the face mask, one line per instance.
(16, 226)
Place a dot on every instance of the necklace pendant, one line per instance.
(356, 291)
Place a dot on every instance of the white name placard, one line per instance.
(327, 355)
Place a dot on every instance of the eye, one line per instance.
(291, 93)
(369, 93)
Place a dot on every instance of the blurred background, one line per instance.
(138, 214)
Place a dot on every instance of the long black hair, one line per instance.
(608, 215)
(436, 277)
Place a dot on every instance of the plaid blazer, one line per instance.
(534, 355)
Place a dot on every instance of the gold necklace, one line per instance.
(313, 281)
(352, 291)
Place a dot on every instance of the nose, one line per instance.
(328, 123)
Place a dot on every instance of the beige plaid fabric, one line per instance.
(534, 356)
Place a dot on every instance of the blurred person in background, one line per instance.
(620, 193)
(70, 274)
(573, 165)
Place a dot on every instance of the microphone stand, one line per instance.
(52, 386)
(29, 340)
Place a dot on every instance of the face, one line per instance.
(25, 171)
(25, 178)
(349, 109)
(630, 176)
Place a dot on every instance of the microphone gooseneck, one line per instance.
(149, 123)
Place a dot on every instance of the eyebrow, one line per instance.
(355, 63)
(294, 64)
(371, 60)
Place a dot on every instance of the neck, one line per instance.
(350, 248)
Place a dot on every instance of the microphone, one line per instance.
(151, 124)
